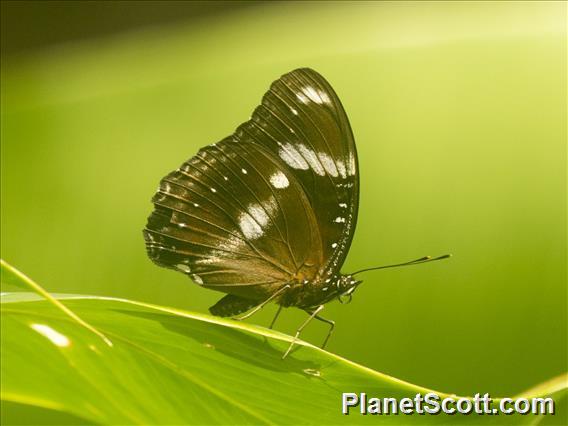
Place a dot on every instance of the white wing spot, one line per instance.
(259, 214)
(292, 157)
(302, 98)
(294, 111)
(334, 245)
(328, 164)
(343, 205)
(210, 259)
(213, 190)
(317, 96)
(270, 205)
(244, 171)
(197, 279)
(279, 180)
(250, 228)
(339, 219)
(230, 244)
(312, 159)
(183, 268)
(351, 166)
(341, 169)
(195, 205)
(323, 96)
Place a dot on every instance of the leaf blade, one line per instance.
(171, 366)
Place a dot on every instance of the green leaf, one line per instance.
(166, 366)
(12, 276)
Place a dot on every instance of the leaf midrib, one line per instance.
(160, 360)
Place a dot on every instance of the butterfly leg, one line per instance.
(275, 316)
(331, 327)
(259, 307)
(311, 317)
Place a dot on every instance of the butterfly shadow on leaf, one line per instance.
(256, 350)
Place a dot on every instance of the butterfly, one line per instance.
(268, 213)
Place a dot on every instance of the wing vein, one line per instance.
(252, 246)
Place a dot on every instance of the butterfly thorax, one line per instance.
(309, 294)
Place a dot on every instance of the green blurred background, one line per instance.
(459, 112)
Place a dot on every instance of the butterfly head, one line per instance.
(346, 286)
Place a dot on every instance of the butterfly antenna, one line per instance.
(424, 259)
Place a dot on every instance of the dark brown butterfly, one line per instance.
(268, 213)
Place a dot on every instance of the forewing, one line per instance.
(302, 122)
(234, 218)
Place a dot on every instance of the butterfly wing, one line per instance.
(275, 202)
(235, 220)
(302, 122)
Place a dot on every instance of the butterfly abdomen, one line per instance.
(231, 305)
